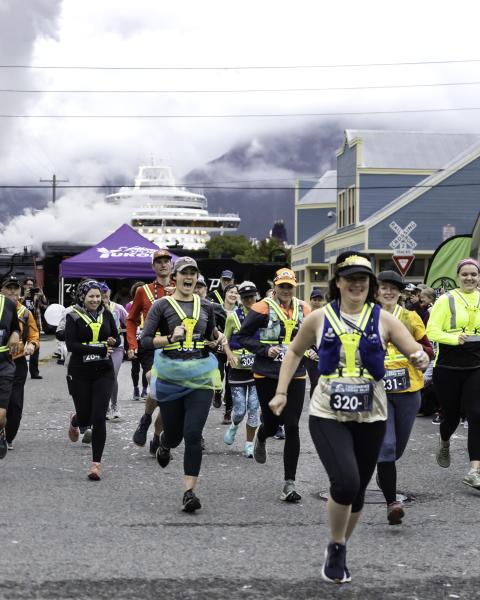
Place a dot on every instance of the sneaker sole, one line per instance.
(475, 487)
(290, 497)
(337, 581)
(444, 465)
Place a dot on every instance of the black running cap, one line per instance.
(392, 277)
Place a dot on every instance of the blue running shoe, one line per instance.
(335, 566)
(230, 434)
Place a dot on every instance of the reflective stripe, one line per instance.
(188, 322)
(21, 310)
(2, 306)
(471, 310)
(391, 357)
(289, 324)
(238, 325)
(219, 297)
(95, 326)
(148, 293)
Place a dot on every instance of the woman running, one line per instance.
(267, 332)
(403, 384)
(184, 373)
(120, 315)
(240, 376)
(136, 366)
(91, 336)
(455, 324)
(348, 410)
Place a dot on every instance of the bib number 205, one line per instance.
(351, 397)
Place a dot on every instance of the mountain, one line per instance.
(270, 160)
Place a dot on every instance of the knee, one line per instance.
(252, 419)
(388, 451)
(292, 430)
(345, 491)
(192, 437)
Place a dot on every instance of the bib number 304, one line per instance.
(351, 397)
(246, 361)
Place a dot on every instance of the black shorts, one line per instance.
(7, 373)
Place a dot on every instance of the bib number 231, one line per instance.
(351, 397)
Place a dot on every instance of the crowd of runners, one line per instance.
(370, 350)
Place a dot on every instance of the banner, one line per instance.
(442, 269)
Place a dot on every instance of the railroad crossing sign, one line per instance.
(403, 262)
(403, 243)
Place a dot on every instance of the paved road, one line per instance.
(63, 536)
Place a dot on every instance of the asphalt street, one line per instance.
(63, 536)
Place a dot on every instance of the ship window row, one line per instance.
(183, 223)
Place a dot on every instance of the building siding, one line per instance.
(454, 201)
(310, 221)
(347, 168)
(318, 252)
(389, 187)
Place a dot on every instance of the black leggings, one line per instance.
(458, 391)
(91, 398)
(15, 406)
(135, 373)
(349, 453)
(313, 373)
(290, 418)
(184, 419)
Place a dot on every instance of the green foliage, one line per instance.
(241, 249)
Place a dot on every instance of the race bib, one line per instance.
(246, 361)
(351, 397)
(396, 380)
(89, 358)
(281, 356)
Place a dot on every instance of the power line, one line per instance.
(243, 116)
(240, 67)
(244, 91)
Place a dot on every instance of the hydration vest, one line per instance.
(239, 316)
(22, 313)
(365, 338)
(189, 323)
(473, 326)
(280, 329)
(94, 325)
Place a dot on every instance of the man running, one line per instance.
(145, 296)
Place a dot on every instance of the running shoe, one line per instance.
(437, 419)
(163, 454)
(108, 416)
(465, 424)
(94, 472)
(217, 399)
(280, 435)
(115, 415)
(259, 450)
(10, 446)
(190, 502)
(3, 444)
(140, 435)
(227, 417)
(60, 361)
(73, 432)
(154, 444)
(230, 434)
(334, 568)
(248, 450)
(144, 394)
(136, 394)
(395, 513)
(87, 436)
(472, 479)
(443, 453)
(289, 494)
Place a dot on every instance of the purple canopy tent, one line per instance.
(123, 254)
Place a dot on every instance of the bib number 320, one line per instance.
(351, 397)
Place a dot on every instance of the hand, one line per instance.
(14, 343)
(29, 349)
(274, 351)
(462, 338)
(131, 354)
(221, 339)
(277, 404)
(178, 333)
(111, 341)
(109, 350)
(420, 360)
(312, 354)
(233, 361)
(212, 344)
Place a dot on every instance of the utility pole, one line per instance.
(54, 182)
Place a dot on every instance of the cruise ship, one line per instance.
(169, 215)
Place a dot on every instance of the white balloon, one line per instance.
(53, 314)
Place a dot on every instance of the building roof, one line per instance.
(324, 191)
(409, 149)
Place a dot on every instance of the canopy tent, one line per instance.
(123, 254)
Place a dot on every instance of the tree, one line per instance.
(228, 246)
(241, 249)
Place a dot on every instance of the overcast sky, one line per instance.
(188, 33)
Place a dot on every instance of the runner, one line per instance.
(142, 302)
(317, 300)
(120, 315)
(348, 410)
(218, 295)
(184, 373)
(267, 331)
(29, 342)
(136, 366)
(403, 384)
(91, 336)
(455, 324)
(240, 376)
(229, 305)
